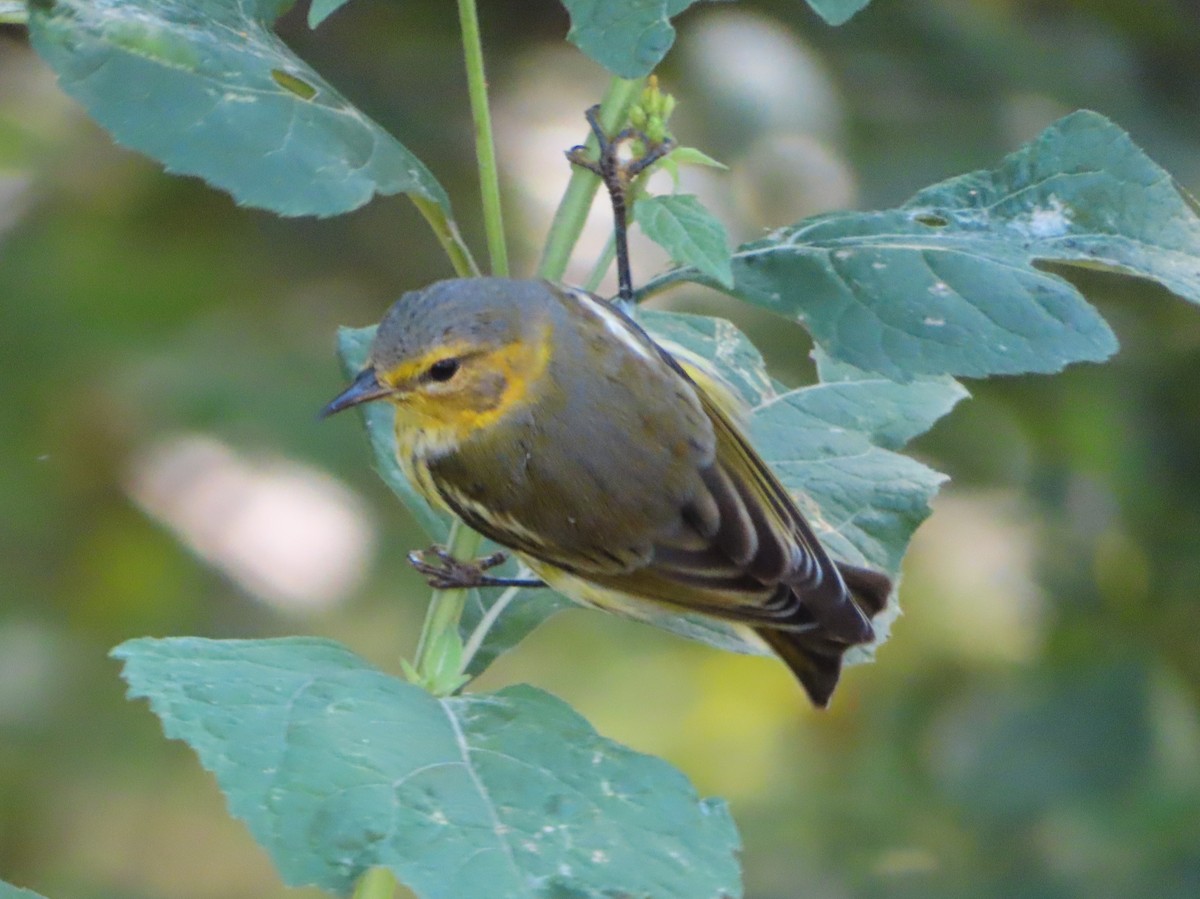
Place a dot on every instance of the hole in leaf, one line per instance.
(932, 219)
(297, 86)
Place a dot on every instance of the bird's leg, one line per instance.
(449, 573)
(617, 177)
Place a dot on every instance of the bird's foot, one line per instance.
(445, 572)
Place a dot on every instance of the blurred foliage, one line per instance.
(1033, 726)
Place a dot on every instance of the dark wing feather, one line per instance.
(785, 548)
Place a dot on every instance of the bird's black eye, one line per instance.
(443, 370)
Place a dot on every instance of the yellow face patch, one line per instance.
(489, 383)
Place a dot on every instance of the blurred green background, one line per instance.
(1033, 727)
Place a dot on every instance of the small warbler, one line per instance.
(550, 422)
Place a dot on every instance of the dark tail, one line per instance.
(815, 658)
(870, 589)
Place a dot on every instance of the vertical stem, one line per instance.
(600, 269)
(485, 147)
(446, 606)
(573, 210)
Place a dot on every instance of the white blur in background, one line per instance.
(285, 532)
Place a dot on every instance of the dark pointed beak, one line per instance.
(366, 387)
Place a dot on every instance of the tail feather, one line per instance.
(814, 655)
(815, 661)
(870, 589)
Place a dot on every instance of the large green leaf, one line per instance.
(947, 283)
(320, 10)
(628, 37)
(837, 12)
(863, 500)
(8, 891)
(206, 88)
(336, 767)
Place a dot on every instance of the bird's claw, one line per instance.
(449, 573)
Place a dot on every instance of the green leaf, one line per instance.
(692, 156)
(336, 767)
(837, 12)
(628, 37)
(13, 12)
(208, 89)
(899, 412)
(8, 891)
(687, 156)
(828, 443)
(947, 284)
(681, 225)
(716, 343)
(320, 10)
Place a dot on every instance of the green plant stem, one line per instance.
(377, 883)
(490, 617)
(448, 236)
(446, 606)
(600, 269)
(485, 145)
(577, 200)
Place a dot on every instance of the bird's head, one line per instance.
(457, 355)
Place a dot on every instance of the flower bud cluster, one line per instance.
(649, 116)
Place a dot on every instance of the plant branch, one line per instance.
(577, 200)
(485, 146)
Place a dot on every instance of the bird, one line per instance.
(551, 422)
